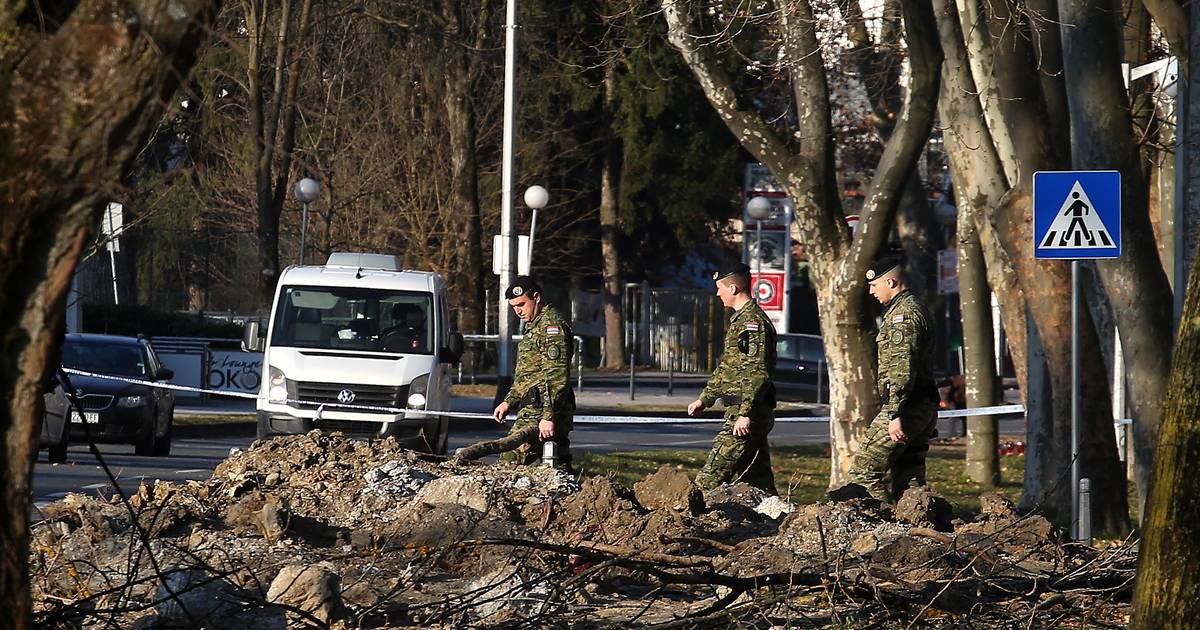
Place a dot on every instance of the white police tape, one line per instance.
(998, 410)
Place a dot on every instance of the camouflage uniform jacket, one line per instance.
(542, 382)
(906, 346)
(743, 377)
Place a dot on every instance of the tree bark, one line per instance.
(272, 127)
(1101, 137)
(614, 327)
(1167, 592)
(464, 170)
(979, 179)
(807, 173)
(80, 96)
(1022, 106)
(983, 462)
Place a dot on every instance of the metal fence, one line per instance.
(674, 329)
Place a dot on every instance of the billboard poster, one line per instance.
(235, 371)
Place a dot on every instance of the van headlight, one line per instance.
(417, 391)
(276, 385)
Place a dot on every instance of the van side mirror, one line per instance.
(252, 340)
(453, 350)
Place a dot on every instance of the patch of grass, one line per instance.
(802, 472)
(466, 389)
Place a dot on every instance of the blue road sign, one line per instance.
(1077, 214)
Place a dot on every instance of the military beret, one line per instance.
(520, 286)
(885, 263)
(728, 269)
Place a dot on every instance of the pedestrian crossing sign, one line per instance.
(1077, 214)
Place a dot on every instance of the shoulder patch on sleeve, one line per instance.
(553, 330)
(752, 326)
(896, 319)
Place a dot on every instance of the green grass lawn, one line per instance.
(802, 472)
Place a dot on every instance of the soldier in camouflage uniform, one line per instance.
(541, 390)
(898, 438)
(743, 382)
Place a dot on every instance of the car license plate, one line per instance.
(91, 417)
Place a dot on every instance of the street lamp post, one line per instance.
(508, 249)
(759, 209)
(307, 191)
(536, 197)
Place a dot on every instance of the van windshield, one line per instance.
(349, 318)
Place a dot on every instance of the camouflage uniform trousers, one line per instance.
(531, 451)
(879, 454)
(740, 458)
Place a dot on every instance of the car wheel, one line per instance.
(264, 428)
(144, 444)
(57, 453)
(162, 445)
(443, 437)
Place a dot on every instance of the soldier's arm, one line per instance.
(712, 389)
(898, 366)
(754, 375)
(516, 392)
(554, 379)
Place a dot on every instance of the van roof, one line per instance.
(315, 275)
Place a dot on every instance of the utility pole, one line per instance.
(508, 242)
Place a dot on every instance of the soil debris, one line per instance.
(320, 530)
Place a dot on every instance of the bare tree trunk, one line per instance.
(69, 138)
(272, 126)
(983, 462)
(920, 237)
(1167, 593)
(807, 173)
(1024, 110)
(464, 170)
(1101, 137)
(614, 328)
(979, 179)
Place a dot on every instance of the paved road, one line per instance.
(195, 458)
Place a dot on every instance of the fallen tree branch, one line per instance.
(507, 443)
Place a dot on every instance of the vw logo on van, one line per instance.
(345, 396)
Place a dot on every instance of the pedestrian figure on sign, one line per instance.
(1077, 211)
(742, 381)
(898, 438)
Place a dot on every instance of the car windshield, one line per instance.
(335, 318)
(115, 359)
(808, 348)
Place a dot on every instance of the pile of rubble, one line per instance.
(323, 531)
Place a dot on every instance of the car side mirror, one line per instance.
(164, 374)
(453, 350)
(252, 339)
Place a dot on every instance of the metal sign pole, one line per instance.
(1075, 386)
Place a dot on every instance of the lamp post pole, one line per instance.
(508, 257)
(307, 191)
(759, 209)
(536, 198)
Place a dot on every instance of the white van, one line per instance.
(357, 331)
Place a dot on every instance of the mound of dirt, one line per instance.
(336, 531)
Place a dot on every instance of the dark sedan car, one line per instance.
(800, 369)
(114, 410)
